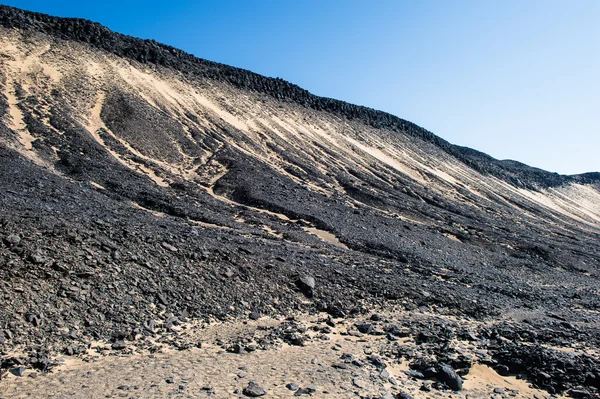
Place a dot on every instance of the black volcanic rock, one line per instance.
(254, 390)
(306, 284)
(448, 376)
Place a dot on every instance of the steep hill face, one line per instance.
(142, 187)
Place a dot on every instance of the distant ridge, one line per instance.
(152, 52)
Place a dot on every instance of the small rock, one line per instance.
(414, 374)
(340, 366)
(118, 345)
(38, 258)
(254, 390)
(580, 393)
(448, 376)
(375, 317)
(18, 371)
(255, 315)
(168, 246)
(429, 372)
(13, 239)
(306, 284)
(170, 380)
(377, 361)
(357, 382)
(365, 328)
(292, 386)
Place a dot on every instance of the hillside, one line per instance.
(145, 190)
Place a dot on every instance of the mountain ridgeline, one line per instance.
(152, 52)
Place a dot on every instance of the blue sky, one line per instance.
(515, 79)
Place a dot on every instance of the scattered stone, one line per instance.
(13, 239)
(448, 376)
(18, 371)
(357, 382)
(168, 246)
(119, 345)
(414, 374)
(38, 258)
(429, 372)
(375, 317)
(255, 315)
(365, 328)
(254, 390)
(580, 393)
(306, 284)
(292, 386)
(340, 366)
(377, 361)
(502, 370)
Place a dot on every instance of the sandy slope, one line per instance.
(254, 125)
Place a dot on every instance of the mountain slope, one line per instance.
(143, 187)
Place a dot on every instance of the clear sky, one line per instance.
(515, 79)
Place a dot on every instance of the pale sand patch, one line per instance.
(221, 113)
(386, 159)
(281, 216)
(452, 237)
(578, 197)
(17, 122)
(155, 213)
(272, 232)
(579, 213)
(483, 376)
(325, 236)
(209, 225)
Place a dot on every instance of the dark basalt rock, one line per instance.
(448, 376)
(254, 390)
(306, 284)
